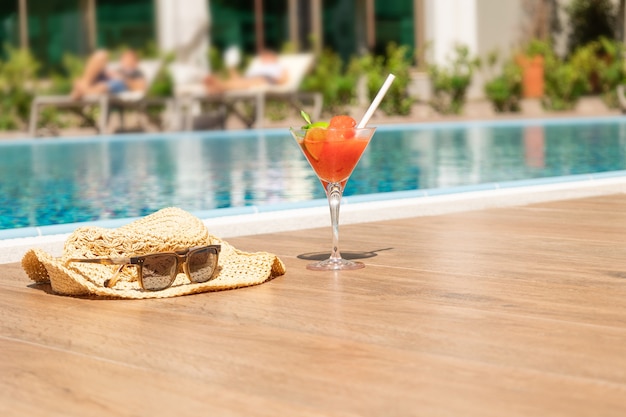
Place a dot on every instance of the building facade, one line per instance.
(51, 28)
(346, 26)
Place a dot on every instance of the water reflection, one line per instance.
(534, 146)
(58, 182)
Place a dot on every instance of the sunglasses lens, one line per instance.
(159, 271)
(202, 264)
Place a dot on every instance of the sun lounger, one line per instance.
(297, 66)
(190, 92)
(104, 102)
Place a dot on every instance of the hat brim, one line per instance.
(236, 269)
(166, 230)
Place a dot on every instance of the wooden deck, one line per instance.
(506, 312)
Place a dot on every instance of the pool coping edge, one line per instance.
(355, 211)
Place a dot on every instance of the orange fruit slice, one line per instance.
(342, 122)
(314, 142)
(341, 128)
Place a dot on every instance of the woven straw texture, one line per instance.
(167, 230)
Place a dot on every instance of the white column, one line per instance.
(183, 28)
(448, 23)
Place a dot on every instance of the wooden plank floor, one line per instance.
(505, 312)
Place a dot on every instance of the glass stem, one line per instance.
(334, 191)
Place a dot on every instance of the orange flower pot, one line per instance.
(532, 75)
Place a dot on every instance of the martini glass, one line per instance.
(333, 155)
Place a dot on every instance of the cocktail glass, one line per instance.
(333, 154)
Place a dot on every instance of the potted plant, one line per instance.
(531, 61)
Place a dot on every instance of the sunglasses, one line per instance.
(157, 271)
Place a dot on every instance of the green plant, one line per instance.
(61, 83)
(397, 101)
(149, 50)
(338, 82)
(216, 61)
(600, 63)
(564, 84)
(276, 110)
(450, 83)
(585, 60)
(51, 118)
(611, 72)
(593, 68)
(163, 84)
(538, 47)
(336, 85)
(504, 90)
(17, 84)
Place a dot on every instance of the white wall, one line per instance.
(481, 25)
(499, 25)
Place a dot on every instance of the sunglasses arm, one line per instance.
(101, 261)
(109, 283)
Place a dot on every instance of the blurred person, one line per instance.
(266, 70)
(96, 79)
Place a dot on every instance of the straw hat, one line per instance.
(167, 230)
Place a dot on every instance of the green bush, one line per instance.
(600, 65)
(376, 68)
(564, 81)
(216, 63)
(17, 85)
(611, 72)
(585, 60)
(593, 68)
(62, 83)
(163, 84)
(53, 118)
(504, 90)
(564, 84)
(450, 83)
(329, 77)
(338, 82)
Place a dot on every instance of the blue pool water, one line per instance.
(56, 181)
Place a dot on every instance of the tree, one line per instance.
(542, 20)
(589, 21)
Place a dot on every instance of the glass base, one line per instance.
(335, 265)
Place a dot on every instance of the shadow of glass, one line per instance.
(350, 255)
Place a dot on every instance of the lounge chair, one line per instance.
(190, 92)
(105, 102)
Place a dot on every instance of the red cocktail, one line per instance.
(333, 153)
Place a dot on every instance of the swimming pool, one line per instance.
(57, 181)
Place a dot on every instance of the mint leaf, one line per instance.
(305, 116)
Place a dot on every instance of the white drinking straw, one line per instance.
(376, 102)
